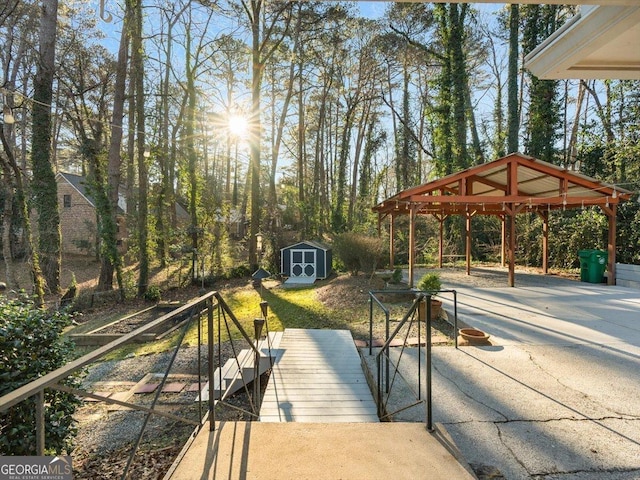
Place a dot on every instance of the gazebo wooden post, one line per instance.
(468, 240)
(440, 219)
(412, 242)
(545, 241)
(512, 245)
(503, 243)
(611, 243)
(392, 235)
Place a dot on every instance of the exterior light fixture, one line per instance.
(146, 153)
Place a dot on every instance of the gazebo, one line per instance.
(512, 184)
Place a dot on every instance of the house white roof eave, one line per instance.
(601, 42)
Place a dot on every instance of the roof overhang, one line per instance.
(515, 182)
(600, 42)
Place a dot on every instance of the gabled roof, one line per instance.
(516, 179)
(310, 243)
(80, 184)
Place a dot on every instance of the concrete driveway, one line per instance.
(558, 394)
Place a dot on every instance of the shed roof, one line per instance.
(515, 179)
(310, 243)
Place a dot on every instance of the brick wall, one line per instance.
(77, 221)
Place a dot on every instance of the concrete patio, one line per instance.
(558, 394)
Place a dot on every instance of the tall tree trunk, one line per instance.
(111, 260)
(191, 150)
(143, 180)
(255, 130)
(513, 115)
(44, 187)
(459, 78)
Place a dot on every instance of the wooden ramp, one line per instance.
(317, 377)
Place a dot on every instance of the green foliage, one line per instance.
(572, 232)
(359, 252)
(153, 293)
(30, 347)
(396, 278)
(429, 282)
(628, 241)
(240, 271)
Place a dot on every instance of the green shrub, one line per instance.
(153, 293)
(359, 252)
(240, 271)
(396, 278)
(429, 282)
(31, 346)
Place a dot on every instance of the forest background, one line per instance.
(273, 122)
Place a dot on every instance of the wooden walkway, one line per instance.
(317, 377)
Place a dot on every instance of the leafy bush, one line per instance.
(240, 271)
(31, 346)
(359, 252)
(153, 293)
(429, 282)
(575, 231)
(396, 278)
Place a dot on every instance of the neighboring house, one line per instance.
(78, 216)
(234, 220)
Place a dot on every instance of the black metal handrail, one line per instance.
(386, 379)
(205, 304)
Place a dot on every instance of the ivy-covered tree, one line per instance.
(44, 187)
(544, 119)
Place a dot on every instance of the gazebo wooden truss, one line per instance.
(505, 187)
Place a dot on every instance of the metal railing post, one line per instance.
(258, 323)
(455, 317)
(428, 365)
(370, 325)
(40, 424)
(210, 356)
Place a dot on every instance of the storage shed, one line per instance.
(305, 262)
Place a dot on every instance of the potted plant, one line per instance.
(430, 283)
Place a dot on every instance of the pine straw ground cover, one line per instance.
(106, 434)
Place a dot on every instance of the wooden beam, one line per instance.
(468, 242)
(412, 243)
(440, 239)
(611, 245)
(512, 247)
(392, 236)
(503, 237)
(545, 241)
(572, 201)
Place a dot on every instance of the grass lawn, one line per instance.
(341, 302)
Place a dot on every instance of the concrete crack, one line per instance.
(607, 471)
(513, 454)
(469, 396)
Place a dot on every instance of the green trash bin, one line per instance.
(593, 263)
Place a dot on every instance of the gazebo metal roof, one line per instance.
(516, 179)
(505, 187)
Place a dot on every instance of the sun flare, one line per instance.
(238, 125)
